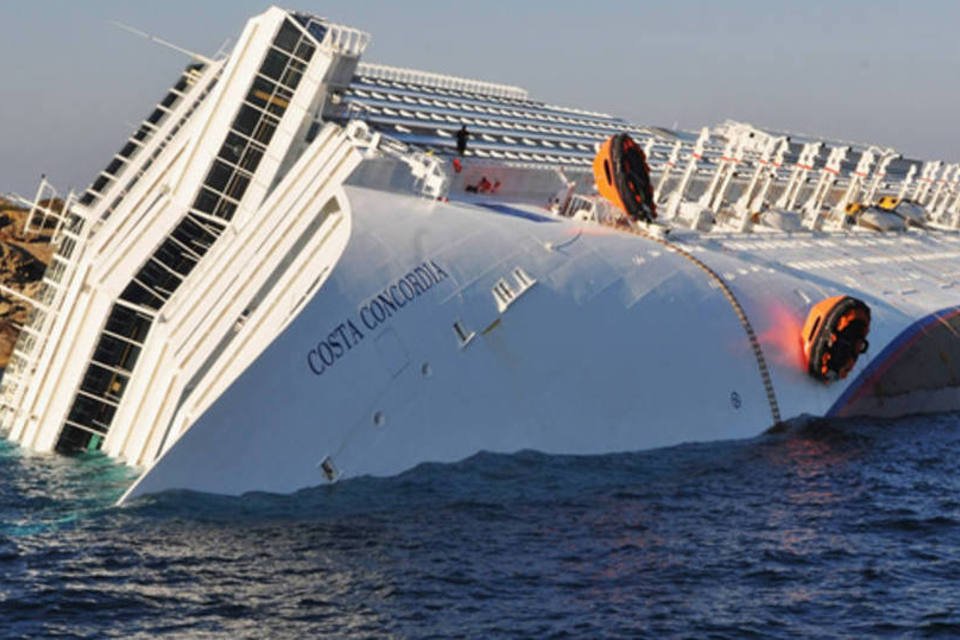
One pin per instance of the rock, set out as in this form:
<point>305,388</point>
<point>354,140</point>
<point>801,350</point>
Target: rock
<point>23,261</point>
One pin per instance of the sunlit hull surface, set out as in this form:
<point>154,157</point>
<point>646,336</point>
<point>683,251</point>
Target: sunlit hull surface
<point>616,343</point>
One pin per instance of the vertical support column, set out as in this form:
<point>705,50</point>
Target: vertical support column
<point>857,178</point>
<point>798,177</point>
<point>733,162</point>
<point>770,174</point>
<point>927,176</point>
<point>743,207</point>
<point>813,208</point>
<point>676,198</point>
<point>706,199</point>
<point>941,192</point>
<point>907,182</point>
<point>879,174</point>
<point>952,199</point>
<point>667,170</point>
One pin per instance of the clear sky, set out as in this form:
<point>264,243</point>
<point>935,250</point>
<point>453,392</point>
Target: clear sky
<point>875,71</point>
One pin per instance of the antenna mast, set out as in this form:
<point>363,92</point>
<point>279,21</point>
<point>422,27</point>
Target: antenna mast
<point>161,41</point>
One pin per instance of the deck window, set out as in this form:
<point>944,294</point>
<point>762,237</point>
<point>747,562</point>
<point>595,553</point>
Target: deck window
<point>114,167</point>
<point>138,294</point>
<point>232,148</point>
<point>246,120</point>
<point>237,186</point>
<point>274,64</point>
<point>116,353</point>
<point>287,37</point>
<point>305,50</point>
<point>92,413</point>
<point>128,323</point>
<point>225,209</point>
<point>156,116</point>
<point>251,158</point>
<point>218,176</point>
<point>264,130</point>
<point>101,184</point>
<point>206,201</point>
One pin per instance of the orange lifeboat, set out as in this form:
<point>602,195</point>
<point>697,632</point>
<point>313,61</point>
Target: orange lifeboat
<point>834,336</point>
<point>623,177</point>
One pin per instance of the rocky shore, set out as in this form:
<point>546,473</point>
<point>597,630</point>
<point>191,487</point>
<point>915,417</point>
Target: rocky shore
<point>23,259</point>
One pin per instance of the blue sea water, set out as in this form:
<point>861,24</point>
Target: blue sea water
<point>828,529</point>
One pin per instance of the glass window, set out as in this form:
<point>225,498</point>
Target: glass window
<point>175,257</point>
<point>206,201</point>
<point>232,149</point>
<point>219,175</point>
<point>193,235</point>
<point>260,92</point>
<point>97,380</point>
<point>305,50</point>
<point>141,133</point>
<point>191,232</point>
<point>137,294</point>
<point>156,116</point>
<point>274,64</point>
<point>128,323</point>
<point>114,352</point>
<point>153,275</point>
<point>246,120</point>
<point>128,150</point>
<point>251,159</point>
<point>264,131</point>
<point>73,439</point>
<point>317,30</point>
<point>312,131</point>
<point>169,99</point>
<point>287,36</point>
<point>291,77</point>
<point>212,227</point>
<point>115,166</point>
<point>237,187</point>
<point>91,413</point>
<point>66,247</point>
<point>226,209</point>
<point>101,184</point>
<point>278,106</point>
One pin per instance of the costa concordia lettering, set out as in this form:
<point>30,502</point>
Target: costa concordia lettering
<point>372,314</point>
<point>291,275</point>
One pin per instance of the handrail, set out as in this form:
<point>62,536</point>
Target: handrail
<point>346,40</point>
<point>442,81</point>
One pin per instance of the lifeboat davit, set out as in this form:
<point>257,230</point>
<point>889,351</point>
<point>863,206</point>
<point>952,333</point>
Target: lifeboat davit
<point>623,177</point>
<point>834,336</point>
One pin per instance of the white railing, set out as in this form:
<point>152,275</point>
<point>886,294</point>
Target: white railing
<point>346,40</point>
<point>441,81</point>
<point>430,178</point>
<point>71,228</point>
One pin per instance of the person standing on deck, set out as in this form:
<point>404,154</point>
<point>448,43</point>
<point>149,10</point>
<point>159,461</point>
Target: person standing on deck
<point>462,137</point>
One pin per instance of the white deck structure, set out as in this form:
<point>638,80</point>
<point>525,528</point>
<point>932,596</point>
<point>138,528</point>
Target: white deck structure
<point>282,279</point>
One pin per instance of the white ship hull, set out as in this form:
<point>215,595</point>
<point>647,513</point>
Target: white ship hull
<point>614,343</point>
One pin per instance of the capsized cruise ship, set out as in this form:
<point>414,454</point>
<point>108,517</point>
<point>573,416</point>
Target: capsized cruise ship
<point>302,267</point>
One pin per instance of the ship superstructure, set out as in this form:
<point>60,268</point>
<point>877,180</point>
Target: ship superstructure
<point>199,166</point>
<point>288,275</point>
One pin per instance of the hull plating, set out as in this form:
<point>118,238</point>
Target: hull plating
<point>602,342</point>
